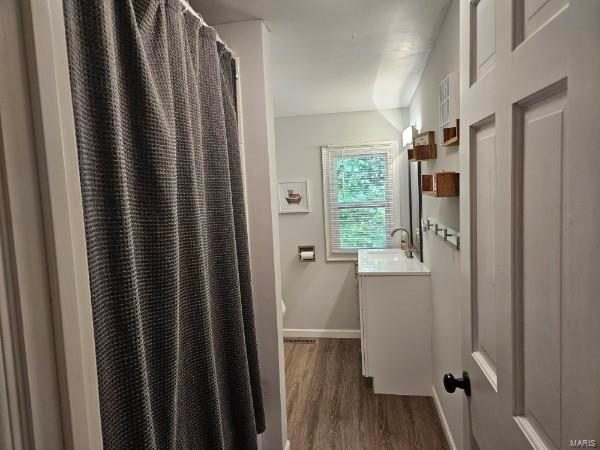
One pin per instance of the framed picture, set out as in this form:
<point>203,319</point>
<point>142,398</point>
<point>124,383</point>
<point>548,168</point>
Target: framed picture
<point>293,196</point>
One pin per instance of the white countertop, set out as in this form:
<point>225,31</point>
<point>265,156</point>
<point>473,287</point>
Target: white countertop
<point>389,262</point>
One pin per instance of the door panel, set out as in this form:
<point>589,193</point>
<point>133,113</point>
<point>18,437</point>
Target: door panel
<point>483,37</point>
<point>539,297</point>
<point>484,250</point>
<point>531,15</point>
<point>486,36</point>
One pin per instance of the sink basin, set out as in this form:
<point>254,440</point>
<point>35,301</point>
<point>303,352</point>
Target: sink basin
<point>389,262</point>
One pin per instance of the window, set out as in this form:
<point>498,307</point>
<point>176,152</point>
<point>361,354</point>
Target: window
<point>360,197</point>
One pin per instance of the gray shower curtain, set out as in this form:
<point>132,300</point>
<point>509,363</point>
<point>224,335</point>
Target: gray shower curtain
<point>156,123</point>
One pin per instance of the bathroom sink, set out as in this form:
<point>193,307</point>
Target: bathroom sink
<point>389,262</point>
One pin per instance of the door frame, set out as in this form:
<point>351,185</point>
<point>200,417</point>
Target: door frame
<point>40,390</point>
<point>61,200</point>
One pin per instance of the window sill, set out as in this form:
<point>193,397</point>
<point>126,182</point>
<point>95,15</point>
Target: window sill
<point>342,258</point>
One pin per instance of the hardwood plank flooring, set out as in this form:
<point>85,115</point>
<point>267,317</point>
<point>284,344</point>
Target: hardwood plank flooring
<point>330,405</point>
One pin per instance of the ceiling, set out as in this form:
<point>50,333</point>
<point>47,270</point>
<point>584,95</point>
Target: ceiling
<point>340,55</point>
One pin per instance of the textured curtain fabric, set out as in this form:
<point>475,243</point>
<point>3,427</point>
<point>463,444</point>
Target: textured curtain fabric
<point>154,103</point>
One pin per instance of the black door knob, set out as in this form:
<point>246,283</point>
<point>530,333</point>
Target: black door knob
<point>451,383</point>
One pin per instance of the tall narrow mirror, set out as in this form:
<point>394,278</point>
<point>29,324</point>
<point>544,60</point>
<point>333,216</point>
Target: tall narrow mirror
<point>416,231</point>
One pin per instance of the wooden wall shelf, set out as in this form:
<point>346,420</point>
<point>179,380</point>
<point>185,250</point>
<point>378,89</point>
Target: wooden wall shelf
<point>422,152</point>
<point>451,135</point>
<point>441,184</point>
<point>424,138</point>
<point>423,147</point>
<point>427,184</point>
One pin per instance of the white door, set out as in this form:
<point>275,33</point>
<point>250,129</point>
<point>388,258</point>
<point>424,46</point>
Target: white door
<point>530,214</point>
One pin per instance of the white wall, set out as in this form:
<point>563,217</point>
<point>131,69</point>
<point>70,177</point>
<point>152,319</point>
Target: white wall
<point>323,295</point>
<point>443,260</point>
<point>250,42</point>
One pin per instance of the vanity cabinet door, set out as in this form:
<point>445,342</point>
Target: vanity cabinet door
<point>396,333</point>
<point>363,334</point>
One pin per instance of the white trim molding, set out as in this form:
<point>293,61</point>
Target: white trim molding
<point>442,416</point>
<point>64,227</point>
<point>30,406</point>
<point>317,333</point>
<point>287,445</point>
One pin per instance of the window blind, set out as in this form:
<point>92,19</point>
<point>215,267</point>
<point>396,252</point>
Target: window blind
<point>360,197</point>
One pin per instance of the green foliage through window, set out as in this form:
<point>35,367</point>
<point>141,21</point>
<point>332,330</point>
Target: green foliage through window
<point>362,228</point>
<point>361,178</point>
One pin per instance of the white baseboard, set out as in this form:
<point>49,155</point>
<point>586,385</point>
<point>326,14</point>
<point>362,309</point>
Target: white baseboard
<point>313,333</point>
<point>287,445</point>
<point>442,416</point>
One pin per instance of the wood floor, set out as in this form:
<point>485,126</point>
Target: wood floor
<point>330,405</point>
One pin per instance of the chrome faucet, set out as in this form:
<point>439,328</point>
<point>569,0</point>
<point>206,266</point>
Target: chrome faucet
<point>408,252</point>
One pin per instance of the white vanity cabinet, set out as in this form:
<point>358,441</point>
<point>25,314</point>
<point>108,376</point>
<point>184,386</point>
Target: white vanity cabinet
<point>395,322</point>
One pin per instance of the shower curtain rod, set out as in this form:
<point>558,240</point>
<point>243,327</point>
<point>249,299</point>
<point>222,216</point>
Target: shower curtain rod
<point>188,8</point>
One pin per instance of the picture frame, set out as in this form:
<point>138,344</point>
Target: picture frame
<point>294,196</point>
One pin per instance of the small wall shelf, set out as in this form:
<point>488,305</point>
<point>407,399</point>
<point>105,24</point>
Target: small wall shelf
<point>441,184</point>
<point>422,152</point>
<point>449,109</point>
<point>451,135</point>
<point>424,147</point>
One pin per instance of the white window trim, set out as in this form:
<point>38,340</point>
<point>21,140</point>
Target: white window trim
<point>352,256</point>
